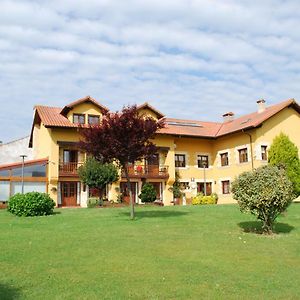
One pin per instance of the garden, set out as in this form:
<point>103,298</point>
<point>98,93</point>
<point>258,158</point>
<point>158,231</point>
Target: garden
<point>193,252</point>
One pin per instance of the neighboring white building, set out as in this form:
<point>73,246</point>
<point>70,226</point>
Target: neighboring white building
<point>10,152</point>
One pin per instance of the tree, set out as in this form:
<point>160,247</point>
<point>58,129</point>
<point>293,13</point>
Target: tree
<point>122,137</point>
<point>265,192</point>
<point>96,174</point>
<point>284,151</point>
<point>148,193</point>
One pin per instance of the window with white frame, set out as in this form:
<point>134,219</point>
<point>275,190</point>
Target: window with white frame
<point>243,155</point>
<point>264,154</point>
<point>180,161</point>
<point>225,187</point>
<point>202,161</point>
<point>224,159</point>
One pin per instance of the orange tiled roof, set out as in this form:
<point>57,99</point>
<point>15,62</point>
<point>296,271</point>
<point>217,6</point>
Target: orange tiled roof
<point>69,106</point>
<point>26,163</point>
<point>214,130</point>
<point>150,107</point>
<point>53,117</point>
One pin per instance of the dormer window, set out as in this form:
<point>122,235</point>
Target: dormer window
<point>93,120</point>
<point>78,119</point>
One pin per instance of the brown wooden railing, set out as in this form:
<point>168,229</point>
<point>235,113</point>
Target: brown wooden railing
<point>147,171</point>
<point>69,169</point>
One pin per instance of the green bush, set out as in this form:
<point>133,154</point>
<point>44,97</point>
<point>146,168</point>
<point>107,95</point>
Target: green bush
<point>284,152</point>
<point>148,193</point>
<point>201,199</point>
<point>265,192</point>
<point>93,202</point>
<point>31,204</point>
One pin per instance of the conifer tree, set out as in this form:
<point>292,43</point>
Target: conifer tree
<point>284,152</point>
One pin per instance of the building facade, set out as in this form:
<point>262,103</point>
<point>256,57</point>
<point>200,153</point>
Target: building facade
<point>207,156</point>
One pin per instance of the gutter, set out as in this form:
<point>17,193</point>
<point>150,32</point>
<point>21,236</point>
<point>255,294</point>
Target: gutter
<point>251,148</point>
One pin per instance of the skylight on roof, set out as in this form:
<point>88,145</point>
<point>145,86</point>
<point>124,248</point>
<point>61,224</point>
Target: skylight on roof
<point>185,124</point>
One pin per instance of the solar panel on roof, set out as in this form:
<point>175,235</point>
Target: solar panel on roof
<point>185,124</point>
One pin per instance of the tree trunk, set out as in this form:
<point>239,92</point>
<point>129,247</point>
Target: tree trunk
<point>130,193</point>
<point>267,226</point>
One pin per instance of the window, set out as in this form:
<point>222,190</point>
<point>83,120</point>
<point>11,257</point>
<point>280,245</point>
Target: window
<point>184,185</point>
<point>4,190</point>
<point>264,155</point>
<point>93,120</point>
<point>179,160</point>
<point>224,159</point>
<point>28,187</point>
<point>243,155</point>
<point>30,171</point>
<point>200,188</point>
<point>202,161</point>
<point>78,119</point>
<point>226,187</point>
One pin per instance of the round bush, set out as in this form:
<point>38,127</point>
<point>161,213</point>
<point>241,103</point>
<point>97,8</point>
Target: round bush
<point>148,193</point>
<point>31,204</point>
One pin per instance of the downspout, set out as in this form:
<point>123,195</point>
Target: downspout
<point>250,139</point>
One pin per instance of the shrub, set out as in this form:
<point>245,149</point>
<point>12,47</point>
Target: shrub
<point>31,204</point>
<point>201,199</point>
<point>148,193</point>
<point>265,192</point>
<point>93,202</point>
<point>284,152</point>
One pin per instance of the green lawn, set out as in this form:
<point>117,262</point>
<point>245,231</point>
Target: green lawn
<point>166,253</point>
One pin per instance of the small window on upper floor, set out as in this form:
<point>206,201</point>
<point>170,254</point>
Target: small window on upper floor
<point>264,154</point>
<point>224,159</point>
<point>179,160</point>
<point>93,120</point>
<point>78,119</point>
<point>203,161</point>
<point>243,155</point>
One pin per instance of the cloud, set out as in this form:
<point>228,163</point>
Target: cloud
<point>190,59</point>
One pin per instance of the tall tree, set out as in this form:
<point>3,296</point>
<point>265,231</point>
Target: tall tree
<point>96,174</point>
<point>284,152</point>
<point>122,137</point>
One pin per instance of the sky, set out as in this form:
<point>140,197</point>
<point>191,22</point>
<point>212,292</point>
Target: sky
<point>189,59</point>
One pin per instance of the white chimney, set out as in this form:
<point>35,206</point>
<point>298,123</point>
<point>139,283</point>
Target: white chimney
<point>228,117</point>
<point>261,105</point>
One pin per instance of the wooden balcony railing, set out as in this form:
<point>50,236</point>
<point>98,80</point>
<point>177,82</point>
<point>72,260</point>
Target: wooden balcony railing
<point>147,171</point>
<point>69,169</point>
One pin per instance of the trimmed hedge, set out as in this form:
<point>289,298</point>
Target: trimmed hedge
<point>31,204</point>
<point>201,199</point>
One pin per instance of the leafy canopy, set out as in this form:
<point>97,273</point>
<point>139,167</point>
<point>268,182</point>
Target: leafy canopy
<point>96,174</point>
<point>284,151</point>
<point>124,137</point>
<point>265,192</point>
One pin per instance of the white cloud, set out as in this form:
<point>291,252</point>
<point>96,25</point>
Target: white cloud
<point>191,59</point>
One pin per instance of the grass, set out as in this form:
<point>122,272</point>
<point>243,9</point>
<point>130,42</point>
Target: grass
<point>166,253</point>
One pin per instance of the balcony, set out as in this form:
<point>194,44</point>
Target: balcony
<point>69,169</point>
<point>147,171</point>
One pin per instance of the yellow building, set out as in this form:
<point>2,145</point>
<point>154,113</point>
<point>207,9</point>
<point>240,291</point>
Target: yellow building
<point>201,152</point>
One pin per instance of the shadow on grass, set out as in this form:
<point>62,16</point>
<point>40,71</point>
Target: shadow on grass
<point>256,227</point>
<point>8,292</point>
<point>155,214</point>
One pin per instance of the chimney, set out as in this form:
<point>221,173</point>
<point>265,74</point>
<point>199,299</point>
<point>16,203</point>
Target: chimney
<point>261,105</point>
<point>228,117</point>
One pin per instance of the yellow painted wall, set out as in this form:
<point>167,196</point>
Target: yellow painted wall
<point>287,121</point>
<point>86,109</point>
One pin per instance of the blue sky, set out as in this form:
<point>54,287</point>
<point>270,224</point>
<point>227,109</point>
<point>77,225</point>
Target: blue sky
<point>190,59</point>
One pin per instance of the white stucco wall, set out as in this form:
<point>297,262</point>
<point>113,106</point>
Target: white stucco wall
<point>10,152</point>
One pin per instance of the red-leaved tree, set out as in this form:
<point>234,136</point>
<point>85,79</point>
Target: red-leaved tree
<point>122,137</point>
